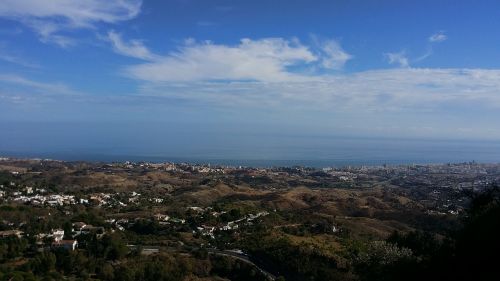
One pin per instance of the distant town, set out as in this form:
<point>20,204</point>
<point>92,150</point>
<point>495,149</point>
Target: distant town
<point>215,213</point>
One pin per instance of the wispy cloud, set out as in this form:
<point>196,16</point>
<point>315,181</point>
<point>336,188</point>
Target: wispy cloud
<point>34,87</point>
<point>261,60</point>
<point>333,56</point>
<point>398,58</point>
<point>438,37</point>
<point>433,39</point>
<point>401,59</point>
<point>17,60</point>
<point>10,57</point>
<point>132,48</point>
<point>402,89</point>
<point>267,59</point>
<point>49,18</point>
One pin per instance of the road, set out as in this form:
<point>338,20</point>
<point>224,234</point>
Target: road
<point>243,258</point>
<point>148,250</point>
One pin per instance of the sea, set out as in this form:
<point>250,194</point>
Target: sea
<point>287,151</point>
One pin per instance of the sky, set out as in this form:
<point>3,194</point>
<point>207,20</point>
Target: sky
<point>202,74</point>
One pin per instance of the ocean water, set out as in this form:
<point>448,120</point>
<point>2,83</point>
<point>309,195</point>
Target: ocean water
<point>260,151</point>
<point>216,145</point>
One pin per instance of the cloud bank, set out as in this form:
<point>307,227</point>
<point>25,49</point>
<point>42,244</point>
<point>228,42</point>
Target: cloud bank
<point>396,90</point>
<point>278,72</point>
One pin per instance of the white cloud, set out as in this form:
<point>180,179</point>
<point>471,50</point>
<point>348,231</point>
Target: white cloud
<point>47,18</point>
<point>268,59</point>
<point>427,54</point>
<point>387,90</point>
<point>405,89</point>
<point>333,56</point>
<point>398,58</point>
<point>133,48</point>
<point>438,37</point>
<point>403,61</point>
<point>261,60</point>
<point>275,72</point>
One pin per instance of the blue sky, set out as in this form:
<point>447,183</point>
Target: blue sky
<point>194,69</point>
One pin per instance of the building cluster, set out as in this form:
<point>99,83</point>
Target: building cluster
<point>51,200</point>
<point>59,238</point>
<point>209,230</point>
<point>40,196</point>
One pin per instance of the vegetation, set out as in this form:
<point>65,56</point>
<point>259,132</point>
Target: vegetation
<point>145,224</point>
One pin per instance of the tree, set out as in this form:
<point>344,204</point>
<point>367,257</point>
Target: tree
<point>68,230</point>
<point>44,263</point>
<point>114,247</point>
<point>124,273</point>
<point>106,272</point>
<point>383,261</point>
